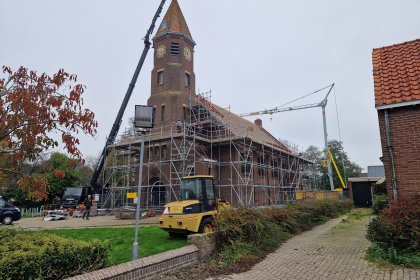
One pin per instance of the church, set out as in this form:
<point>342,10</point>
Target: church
<point>193,136</point>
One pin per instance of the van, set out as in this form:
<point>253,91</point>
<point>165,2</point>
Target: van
<point>8,212</point>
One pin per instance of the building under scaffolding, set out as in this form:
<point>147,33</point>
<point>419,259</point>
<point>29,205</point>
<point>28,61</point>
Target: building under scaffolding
<point>250,167</point>
<point>193,136</point>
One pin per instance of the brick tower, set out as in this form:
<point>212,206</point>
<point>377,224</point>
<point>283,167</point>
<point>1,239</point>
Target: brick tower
<point>173,78</point>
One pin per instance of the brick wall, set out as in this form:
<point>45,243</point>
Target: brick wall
<point>206,243</point>
<point>146,268</point>
<point>404,125</point>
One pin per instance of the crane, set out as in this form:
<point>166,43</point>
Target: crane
<point>117,123</point>
<point>323,105</point>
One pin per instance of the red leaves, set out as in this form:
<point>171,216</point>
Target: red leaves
<point>35,186</point>
<point>59,173</point>
<point>34,106</point>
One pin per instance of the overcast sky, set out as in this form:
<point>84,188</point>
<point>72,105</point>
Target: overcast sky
<point>252,55</point>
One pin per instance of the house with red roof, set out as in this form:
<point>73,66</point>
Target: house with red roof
<point>396,74</point>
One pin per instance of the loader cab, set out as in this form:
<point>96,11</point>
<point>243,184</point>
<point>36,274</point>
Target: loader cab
<point>199,188</point>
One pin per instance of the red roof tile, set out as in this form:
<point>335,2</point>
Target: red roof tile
<point>396,73</point>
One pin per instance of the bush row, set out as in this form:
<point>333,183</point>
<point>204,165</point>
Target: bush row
<point>35,255</point>
<point>247,233</point>
<point>397,226</point>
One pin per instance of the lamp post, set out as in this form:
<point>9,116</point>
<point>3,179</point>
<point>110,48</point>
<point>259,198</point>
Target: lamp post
<point>143,118</point>
<point>136,244</point>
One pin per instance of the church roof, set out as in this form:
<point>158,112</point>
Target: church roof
<point>241,127</point>
<point>174,22</point>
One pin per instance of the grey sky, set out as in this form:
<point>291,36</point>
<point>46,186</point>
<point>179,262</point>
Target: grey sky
<point>252,55</point>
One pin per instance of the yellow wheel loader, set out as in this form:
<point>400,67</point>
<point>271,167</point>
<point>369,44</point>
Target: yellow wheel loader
<point>197,209</point>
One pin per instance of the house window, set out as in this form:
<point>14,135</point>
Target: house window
<point>160,78</point>
<point>174,48</point>
<point>162,113</point>
<point>157,151</point>
<point>187,80</point>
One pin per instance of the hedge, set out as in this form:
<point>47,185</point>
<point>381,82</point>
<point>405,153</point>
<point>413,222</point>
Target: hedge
<point>246,232</point>
<point>35,255</point>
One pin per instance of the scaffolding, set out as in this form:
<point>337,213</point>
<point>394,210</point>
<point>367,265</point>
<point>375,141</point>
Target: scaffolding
<point>246,172</point>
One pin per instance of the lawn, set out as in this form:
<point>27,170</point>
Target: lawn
<point>152,240</point>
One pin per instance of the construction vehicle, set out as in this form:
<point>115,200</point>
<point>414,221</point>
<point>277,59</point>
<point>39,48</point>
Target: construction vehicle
<point>74,196</point>
<point>197,209</point>
<point>117,123</point>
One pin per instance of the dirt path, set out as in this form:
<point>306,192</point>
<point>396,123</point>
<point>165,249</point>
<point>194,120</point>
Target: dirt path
<point>334,250</point>
<point>97,221</point>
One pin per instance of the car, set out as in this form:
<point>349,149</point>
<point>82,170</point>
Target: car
<point>8,212</point>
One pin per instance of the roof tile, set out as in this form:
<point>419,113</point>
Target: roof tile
<point>396,73</point>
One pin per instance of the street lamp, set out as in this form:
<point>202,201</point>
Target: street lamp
<point>143,118</point>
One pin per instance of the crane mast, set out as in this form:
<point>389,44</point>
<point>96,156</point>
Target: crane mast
<point>117,123</point>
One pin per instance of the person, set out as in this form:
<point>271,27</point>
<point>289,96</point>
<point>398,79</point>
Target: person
<point>88,204</point>
<point>179,125</point>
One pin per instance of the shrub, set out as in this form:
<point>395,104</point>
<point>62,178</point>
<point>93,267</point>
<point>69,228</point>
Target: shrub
<point>35,255</point>
<point>377,252</point>
<point>247,233</point>
<point>244,232</point>
<point>378,203</point>
<point>397,226</point>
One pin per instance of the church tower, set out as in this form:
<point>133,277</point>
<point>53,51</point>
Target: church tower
<point>173,78</point>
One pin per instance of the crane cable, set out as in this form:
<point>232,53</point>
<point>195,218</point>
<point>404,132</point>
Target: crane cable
<point>302,97</point>
<point>339,136</point>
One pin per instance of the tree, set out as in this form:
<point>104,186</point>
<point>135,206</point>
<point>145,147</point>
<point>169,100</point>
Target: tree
<point>61,172</point>
<point>341,158</point>
<point>345,166</point>
<point>32,108</point>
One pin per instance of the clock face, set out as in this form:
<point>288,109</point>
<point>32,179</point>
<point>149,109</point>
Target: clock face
<point>160,51</point>
<point>187,54</point>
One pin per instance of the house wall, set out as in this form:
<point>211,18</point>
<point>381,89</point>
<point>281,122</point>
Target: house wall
<point>404,125</point>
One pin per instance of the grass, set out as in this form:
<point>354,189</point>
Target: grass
<point>387,257</point>
<point>152,240</point>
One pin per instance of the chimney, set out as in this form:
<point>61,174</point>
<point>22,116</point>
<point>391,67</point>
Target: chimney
<point>258,122</point>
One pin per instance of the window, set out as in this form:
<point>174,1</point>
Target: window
<point>184,112</point>
<point>163,152</point>
<point>164,24</point>
<point>160,78</point>
<point>187,80</point>
<point>261,166</point>
<point>157,151</point>
<point>162,113</point>
<point>174,48</point>
<point>274,169</point>
<point>245,164</point>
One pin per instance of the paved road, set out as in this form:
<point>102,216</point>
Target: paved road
<point>334,250</point>
<point>97,221</point>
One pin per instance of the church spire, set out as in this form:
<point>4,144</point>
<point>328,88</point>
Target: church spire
<point>174,22</point>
